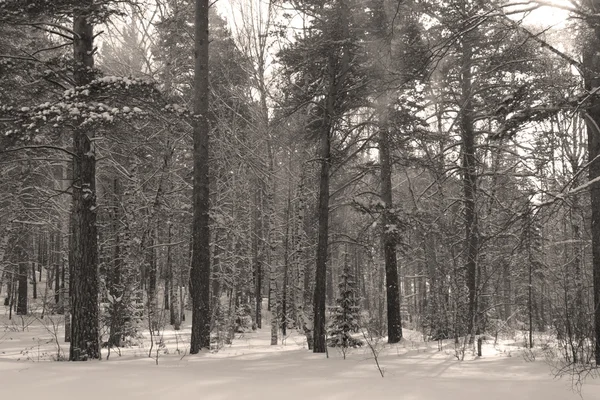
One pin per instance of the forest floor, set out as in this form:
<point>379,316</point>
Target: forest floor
<point>251,368</point>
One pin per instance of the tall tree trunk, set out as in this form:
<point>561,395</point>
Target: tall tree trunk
<point>338,66</point>
<point>151,271</point>
<point>319,343</point>
<point>171,287</point>
<point>200,271</point>
<point>272,240</point>
<point>257,255</point>
<point>591,62</point>
<point>389,245</point>
<point>84,269</point>
<point>469,171</point>
<point>286,260</point>
<point>394,325</point>
<point>301,285</point>
<point>320,290</point>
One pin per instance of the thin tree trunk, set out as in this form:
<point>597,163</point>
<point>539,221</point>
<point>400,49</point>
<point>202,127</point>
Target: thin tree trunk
<point>116,288</point>
<point>34,280</point>
<point>151,268</point>
<point>286,263</point>
<point>12,299</point>
<point>257,255</point>
<point>57,262</point>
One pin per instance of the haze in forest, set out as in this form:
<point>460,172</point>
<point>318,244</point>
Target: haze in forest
<point>196,195</point>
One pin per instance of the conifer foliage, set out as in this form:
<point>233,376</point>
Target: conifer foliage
<point>346,316</point>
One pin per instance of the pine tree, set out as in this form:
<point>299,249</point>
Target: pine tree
<point>347,313</point>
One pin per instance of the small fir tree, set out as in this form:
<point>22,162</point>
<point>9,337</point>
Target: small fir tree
<point>346,315</point>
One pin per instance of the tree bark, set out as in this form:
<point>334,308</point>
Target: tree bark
<point>591,62</point>
<point>174,308</point>
<point>9,291</point>
<point>338,66</point>
<point>319,343</point>
<point>200,271</point>
<point>389,245</point>
<point>469,171</point>
<point>22,283</point>
<point>34,280</point>
<point>84,268</point>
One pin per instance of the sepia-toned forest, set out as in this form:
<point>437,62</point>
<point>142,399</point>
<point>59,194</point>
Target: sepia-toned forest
<point>348,168</point>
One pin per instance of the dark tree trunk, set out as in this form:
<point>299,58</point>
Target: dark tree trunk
<point>151,271</point>
<point>57,283</point>
<point>257,256</point>
<point>319,344</point>
<point>9,289</point>
<point>44,255</point>
<point>286,263</point>
<point>34,280</point>
<point>12,300</point>
<point>22,288</point>
<point>83,276</point>
<point>84,272</point>
<point>200,271</point>
<point>591,62</point>
<point>389,245</point>
<point>174,308</point>
<point>394,325</point>
<point>338,66</point>
<point>469,177</point>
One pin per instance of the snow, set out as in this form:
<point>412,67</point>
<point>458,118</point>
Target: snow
<point>251,368</point>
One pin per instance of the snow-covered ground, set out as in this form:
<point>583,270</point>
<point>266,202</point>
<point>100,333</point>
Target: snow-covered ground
<point>253,369</point>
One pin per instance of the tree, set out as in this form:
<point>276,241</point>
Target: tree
<point>397,67</point>
<point>320,64</point>
<point>200,272</point>
<point>345,320</point>
<point>84,290</point>
<point>591,75</point>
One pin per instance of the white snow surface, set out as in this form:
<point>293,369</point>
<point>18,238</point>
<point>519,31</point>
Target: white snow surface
<point>251,368</point>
